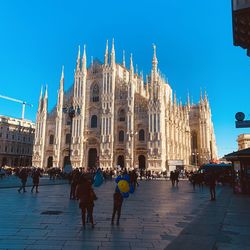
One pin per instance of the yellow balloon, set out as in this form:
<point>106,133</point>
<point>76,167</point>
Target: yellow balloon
<point>123,186</point>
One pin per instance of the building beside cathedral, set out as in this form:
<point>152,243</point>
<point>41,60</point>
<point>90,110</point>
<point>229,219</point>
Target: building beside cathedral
<point>16,142</point>
<point>122,120</point>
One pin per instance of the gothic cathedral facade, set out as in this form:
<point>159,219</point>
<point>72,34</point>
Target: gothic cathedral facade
<point>111,117</point>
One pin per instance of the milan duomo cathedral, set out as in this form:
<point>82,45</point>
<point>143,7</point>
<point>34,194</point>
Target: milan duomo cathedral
<point>111,117</point>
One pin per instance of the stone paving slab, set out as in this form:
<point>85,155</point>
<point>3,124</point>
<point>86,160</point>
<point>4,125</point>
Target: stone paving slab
<point>156,216</point>
<point>13,181</point>
<point>223,224</point>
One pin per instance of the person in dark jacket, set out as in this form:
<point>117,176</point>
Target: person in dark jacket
<point>212,185</point>
<point>118,200</point>
<point>75,178</point>
<point>23,175</point>
<point>36,177</point>
<point>86,196</point>
<point>172,178</point>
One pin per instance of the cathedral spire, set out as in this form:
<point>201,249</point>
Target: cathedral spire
<point>40,100</point>
<point>131,66</point>
<point>106,57</point>
<point>45,99</point>
<point>141,75</point>
<point>154,61</point>
<point>175,101</point>
<point>201,98</point>
<point>78,59</point>
<point>180,102</point>
<point>41,94</point>
<point>112,61</point>
<point>123,59</point>
<point>136,69</point>
<point>46,92</point>
<point>188,100</point>
<point>84,59</point>
<point>62,79</point>
<point>205,97</point>
<point>206,100</point>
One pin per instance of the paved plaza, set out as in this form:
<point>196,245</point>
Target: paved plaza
<point>14,181</point>
<point>156,216</point>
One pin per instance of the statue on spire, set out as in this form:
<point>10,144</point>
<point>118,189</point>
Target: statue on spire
<point>154,62</point>
<point>78,59</point>
<point>106,57</point>
<point>46,92</point>
<point>201,98</point>
<point>62,79</point>
<point>123,59</point>
<point>131,66</point>
<point>188,100</point>
<point>62,75</point>
<point>112,61</point>
<point>84,59</point>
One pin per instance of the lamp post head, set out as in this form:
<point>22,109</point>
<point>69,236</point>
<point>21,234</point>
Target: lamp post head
<point>72,112</point>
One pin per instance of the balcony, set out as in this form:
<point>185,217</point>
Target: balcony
<point>241,24</point>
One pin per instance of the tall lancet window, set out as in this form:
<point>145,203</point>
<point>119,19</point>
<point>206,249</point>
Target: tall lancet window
<point>95,93</point>
<point>121,136</point>
<point>93,123</point>
<point>121,115</point>
<point>194,141</point>
<point>141,135</point>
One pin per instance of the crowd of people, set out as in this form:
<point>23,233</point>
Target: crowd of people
<point>81,189</point>
<point>82,180</point>
<point>24,173</point>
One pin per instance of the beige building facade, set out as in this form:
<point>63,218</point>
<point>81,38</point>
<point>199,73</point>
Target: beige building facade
<point>243,141</point>
<point>121,119</point>
<point>16,141</point>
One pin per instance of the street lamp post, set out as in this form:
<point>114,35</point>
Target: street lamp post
<point>195,154</point>
<point>132,136</point>
<point>72,112</point>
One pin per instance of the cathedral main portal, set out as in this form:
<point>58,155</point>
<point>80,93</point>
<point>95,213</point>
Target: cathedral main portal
<point>92,158</point>
<point>120,161</point>
<point>142,162</point>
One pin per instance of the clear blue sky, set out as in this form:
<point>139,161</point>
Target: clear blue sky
<point>194,48</point>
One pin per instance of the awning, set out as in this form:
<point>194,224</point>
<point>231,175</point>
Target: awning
<point>241,154</point>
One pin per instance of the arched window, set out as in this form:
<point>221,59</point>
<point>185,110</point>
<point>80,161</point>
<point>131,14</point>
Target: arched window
<point>50,162</point>
<point>95,93</point>
<point>51,139</point>
<point>121,136</point>
<point>141,135</point>
<point>121,115</point>
<point>93,123</point>
<point>67,139</point>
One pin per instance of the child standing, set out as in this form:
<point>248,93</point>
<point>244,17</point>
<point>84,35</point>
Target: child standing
<point>118,199</point>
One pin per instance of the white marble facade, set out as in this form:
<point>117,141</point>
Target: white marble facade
<point>122,120</point>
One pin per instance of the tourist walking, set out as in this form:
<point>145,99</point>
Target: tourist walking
<point>86,196</point>
<point>176,177</point>
<point>212,185</point>
<point>118,200</point>
<point>23,175</point>
<point>74,180</point>
<point>172,178</point>
<point>35,178</point>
